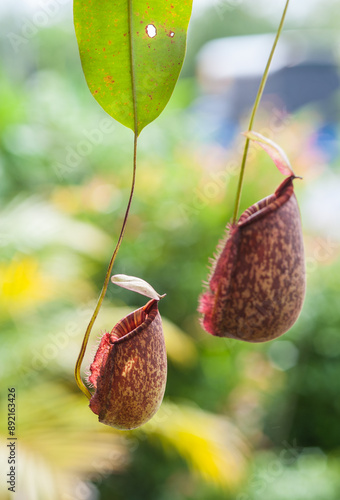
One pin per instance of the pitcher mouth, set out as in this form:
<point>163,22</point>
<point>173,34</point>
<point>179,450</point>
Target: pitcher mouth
<point>269,204</point>
<point>134,322</point>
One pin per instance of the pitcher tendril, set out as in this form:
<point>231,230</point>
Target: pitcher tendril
<point>77,375</point>
<point>254,110</point>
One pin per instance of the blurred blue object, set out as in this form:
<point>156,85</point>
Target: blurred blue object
<point>304,72</point>
<point>327,140</point>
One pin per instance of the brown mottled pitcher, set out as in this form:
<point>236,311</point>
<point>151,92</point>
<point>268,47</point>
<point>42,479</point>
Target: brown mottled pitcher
<point>257,286</point>
<point>129,370</point>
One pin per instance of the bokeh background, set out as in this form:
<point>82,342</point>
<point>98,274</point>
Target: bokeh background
<point>241,422</point>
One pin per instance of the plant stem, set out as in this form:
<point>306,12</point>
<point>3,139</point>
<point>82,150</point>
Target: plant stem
<point>252,117</point>
<point>77,375</point>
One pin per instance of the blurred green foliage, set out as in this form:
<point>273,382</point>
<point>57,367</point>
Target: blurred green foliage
<point>239,421</point>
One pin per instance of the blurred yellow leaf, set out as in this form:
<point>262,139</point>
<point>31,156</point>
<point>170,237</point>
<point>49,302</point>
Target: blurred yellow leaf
<point>23,285</point>
<point>211,444</point>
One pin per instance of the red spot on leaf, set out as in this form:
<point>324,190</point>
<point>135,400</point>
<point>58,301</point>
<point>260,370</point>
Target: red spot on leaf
<point>108,79</point>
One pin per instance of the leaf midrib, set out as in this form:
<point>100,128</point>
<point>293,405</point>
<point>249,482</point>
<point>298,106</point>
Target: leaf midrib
<point>132,68</point>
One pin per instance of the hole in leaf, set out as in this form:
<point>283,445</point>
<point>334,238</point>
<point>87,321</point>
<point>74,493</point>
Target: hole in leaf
<point>151,30</point>
<point>171,34</point>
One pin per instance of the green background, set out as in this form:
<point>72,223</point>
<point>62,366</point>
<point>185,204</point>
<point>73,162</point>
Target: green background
<point>238,421</point>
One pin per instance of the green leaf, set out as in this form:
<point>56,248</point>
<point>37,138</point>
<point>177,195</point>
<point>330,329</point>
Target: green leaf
<point>132,52</point>
<point>276,153</point>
